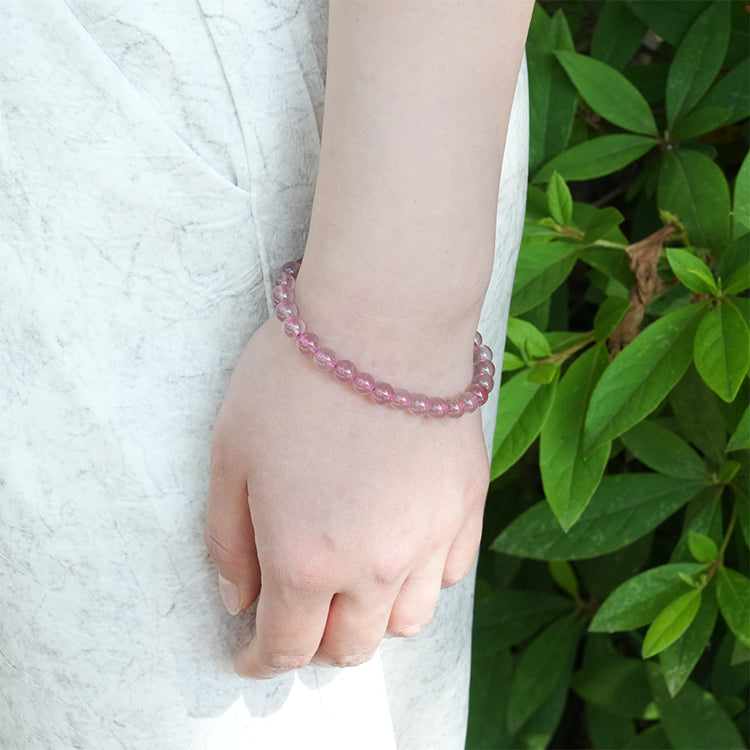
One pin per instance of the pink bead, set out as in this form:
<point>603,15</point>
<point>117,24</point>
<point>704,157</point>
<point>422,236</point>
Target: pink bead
<point>482,352</point>
<point>293,326</point>
<point>282,294</point>
<point>291,268</point>
<point>477,339</point>
<point>485,367</point>
<point>439,408</point>
<point>284,279</point>
<point>485,381</point>
<point>471,401</point>
<point>481,393</point>
<point>345,371</point>
<point>286,310</point>
<point>456,407</point>
<point>363,383</point>
<point>307,343</point>
<point>324,359</point>
<point>382,393</point>
<point>420,404</point>
<point>402,399</point>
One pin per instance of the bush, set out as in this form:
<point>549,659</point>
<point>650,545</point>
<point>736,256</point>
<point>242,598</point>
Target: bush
<point>613,609</point>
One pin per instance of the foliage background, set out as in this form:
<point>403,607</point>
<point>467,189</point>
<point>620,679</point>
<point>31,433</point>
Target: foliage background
<point>613,604</point>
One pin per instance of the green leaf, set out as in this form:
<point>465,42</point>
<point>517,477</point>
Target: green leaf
<point>693,188</point>
<point>602,222</point>
<point>604,730</point>
<point>540,667</point>
<point>699,122</point>
<point>727,679</point>
<point>528,339</point>
<point>678,660</point>
<point>522,408</point>
<point>512,362</point>
<point>670,20</point>
<point>641,376</point>
<point>601,575</point>
<point>671,623</point>
<point>741,205</point>
<point>615,685</point>
<point>544,373</point>
<point>728,470</point>
<point>511,616</point>
<point>564,576</point>
<point>740,654</point>
<point>597,157</point>
<point>609,315</point>
<point>623,509</point>
<point>640,599</point>
<point>697,413</point>
<point>617,35</point>
<point>740,440</point>
<point>664,451</point>
<point>612,263</point>
<point>739,281</point>
<point>559,200</point>
<point>569,478</point>
<point>692,271</point>
<point>722,350</point>
<point>733,593</point>
<point>541,268</point>
<point>539,728</point>
<point>653,738</point>
<point>609,93</point>
<point>731,92</point>
<point>697,62</point>
<point>693,719</point>
<point>702,547</point>
<point>552,97</point>
<point>488,699</point>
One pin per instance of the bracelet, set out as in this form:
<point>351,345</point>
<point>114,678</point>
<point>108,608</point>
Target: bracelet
<point>475,395</point>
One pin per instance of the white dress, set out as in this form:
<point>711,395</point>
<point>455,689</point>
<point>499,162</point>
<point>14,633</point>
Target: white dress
<point>157,164</point>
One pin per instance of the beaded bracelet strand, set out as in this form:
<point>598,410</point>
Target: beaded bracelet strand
<point>346,372</point>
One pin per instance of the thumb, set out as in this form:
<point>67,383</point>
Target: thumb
<point>230,537</point>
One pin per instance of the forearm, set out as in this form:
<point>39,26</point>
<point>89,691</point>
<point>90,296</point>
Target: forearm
<point>418,97</point>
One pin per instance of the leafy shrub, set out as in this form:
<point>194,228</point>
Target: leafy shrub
<point>612,578</point>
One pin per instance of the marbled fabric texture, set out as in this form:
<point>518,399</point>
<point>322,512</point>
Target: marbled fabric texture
<point>157,163</point>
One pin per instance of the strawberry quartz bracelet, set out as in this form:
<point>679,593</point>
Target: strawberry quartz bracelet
<point>346,372</point>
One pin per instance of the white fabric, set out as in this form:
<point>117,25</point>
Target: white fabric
<point>157,163</point>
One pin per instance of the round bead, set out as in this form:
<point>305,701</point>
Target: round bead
<point>363,383</point>
<point>456,407</point>
<point>284,279</point>
<point>324,359</point>
<point>471,401</point>
<point>285,310</point>
<point>282,294</point>
<point>477,339</point>
<point>480,392</point>
<point>402,399</point>
<point>345,371</point>
<point>485,381</point>
<point>382,393</point>
<point>293,326</point>
<point>291,268</point>
<point>420,404</point>
<point>439,408</point>
<point>485,367</point>
<point>307,343</point>
<point>482,352</point>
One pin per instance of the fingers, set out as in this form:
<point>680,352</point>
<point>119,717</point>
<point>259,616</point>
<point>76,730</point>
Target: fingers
<point>354,630</point>
<point>230,537</point>
<point>289,626</point>
<point>415,604</point>
<point>463,552</point>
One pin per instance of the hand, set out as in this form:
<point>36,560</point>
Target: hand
<point>342,518</point>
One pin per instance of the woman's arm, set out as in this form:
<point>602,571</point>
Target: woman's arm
<point>342,518</point>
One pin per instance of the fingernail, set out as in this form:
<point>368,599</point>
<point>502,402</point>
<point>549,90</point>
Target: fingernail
<point>230,595</point>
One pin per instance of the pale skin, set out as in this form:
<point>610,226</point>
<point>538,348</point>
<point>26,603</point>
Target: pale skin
<point>343,519</point>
